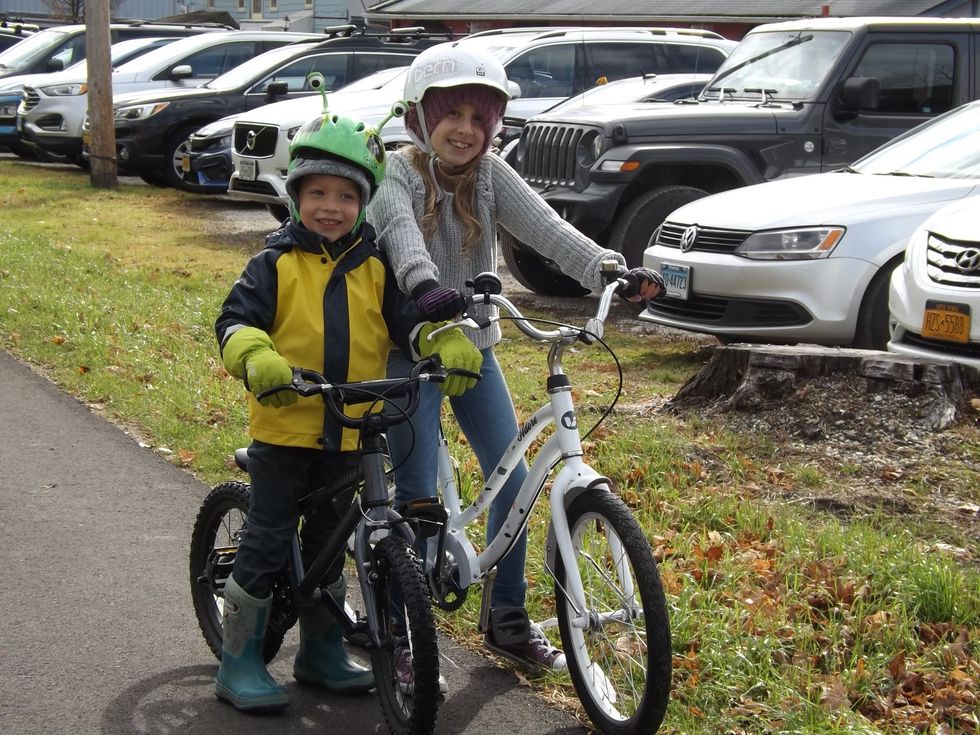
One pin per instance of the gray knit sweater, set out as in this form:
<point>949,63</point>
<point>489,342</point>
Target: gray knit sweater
<point>503,199</point>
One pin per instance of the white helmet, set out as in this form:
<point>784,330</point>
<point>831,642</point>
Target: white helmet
<point>453,65</point>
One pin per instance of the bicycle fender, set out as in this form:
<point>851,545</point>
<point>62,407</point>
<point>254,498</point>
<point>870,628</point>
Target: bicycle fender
<point>551,545</point>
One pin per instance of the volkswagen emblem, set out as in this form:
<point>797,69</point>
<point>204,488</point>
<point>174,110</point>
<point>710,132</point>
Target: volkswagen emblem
<point>688,238</point>
<point>968,260</point>
<point>250,139</point>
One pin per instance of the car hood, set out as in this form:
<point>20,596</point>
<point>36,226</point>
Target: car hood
<point>818,199</point>
<point>161,95</point>
<point>14,84</point>
<point>658,119</point>
<point>958,221</point>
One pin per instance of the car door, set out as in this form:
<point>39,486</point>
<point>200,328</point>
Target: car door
<point>919,77</point>
<point>208,63</point>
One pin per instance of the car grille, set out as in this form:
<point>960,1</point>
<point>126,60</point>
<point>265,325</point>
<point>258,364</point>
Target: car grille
<point>549,153</point>
<point>724,312</point>
<point>254,187</point>
<point>256,141</point>
<point>953,263</point>
<point>706,239</point>
<point>30,98</point>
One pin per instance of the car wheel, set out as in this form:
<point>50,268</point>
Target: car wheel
<point>176,147</point>
<point>533,272</point>
<point>873,329</point>
<point>279,211</point>
<point>152,177</point>
<point>636,225</point>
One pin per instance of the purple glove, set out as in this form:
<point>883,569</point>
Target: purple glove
<point>438,303</point>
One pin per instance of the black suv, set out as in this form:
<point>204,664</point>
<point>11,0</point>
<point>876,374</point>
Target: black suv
<point>794,98</point>
<point>152,128</point>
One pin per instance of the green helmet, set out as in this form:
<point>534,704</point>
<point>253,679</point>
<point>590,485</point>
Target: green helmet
<point>339,146</point>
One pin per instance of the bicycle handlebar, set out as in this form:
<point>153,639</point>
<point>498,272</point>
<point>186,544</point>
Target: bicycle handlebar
<point>308,382</point>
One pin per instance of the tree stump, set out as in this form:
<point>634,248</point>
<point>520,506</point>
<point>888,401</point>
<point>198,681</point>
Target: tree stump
<point>744,377</point>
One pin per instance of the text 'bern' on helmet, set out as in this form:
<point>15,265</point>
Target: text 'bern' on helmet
<point>453,65</point>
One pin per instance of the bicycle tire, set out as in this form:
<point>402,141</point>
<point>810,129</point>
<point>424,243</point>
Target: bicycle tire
<point>620,666</point>
<point>214,541</point>
<point>400,582</point>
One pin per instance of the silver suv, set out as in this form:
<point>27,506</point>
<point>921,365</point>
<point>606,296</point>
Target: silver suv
<point>547,65</point>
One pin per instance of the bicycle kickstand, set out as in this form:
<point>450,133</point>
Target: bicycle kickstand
<point>484,622</point>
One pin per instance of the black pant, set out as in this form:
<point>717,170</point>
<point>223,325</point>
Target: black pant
<point>281,478</point>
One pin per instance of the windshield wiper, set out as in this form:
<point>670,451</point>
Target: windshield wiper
<point>765,54</point>
<point>909,173</point>
<point>846,170</point>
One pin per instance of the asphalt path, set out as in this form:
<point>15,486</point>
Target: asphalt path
<point>97,632</point>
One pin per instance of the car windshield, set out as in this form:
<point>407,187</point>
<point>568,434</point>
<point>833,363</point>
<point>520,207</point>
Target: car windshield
<point>786,66</point>
<point>31,49</point>
<point>244,74</point>
<point>947,147</point>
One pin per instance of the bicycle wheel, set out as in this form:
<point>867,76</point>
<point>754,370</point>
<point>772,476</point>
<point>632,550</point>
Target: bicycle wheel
<point>621,663</point>
<point>217,532</point>
<point>402,594</point>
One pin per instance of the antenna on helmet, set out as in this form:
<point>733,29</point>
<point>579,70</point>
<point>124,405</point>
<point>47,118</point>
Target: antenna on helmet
<point>319,84</point>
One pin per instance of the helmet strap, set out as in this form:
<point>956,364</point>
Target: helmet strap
<point>420,111</point>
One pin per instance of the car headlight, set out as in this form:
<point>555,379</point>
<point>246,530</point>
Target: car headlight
<point>9,110</point>
<point>138,112</point>
<point>805,243</point>
<point>65,90</point>
<point>291,133</point>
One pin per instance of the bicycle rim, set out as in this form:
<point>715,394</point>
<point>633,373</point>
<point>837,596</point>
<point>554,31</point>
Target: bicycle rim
<point>407,622</point>
<point>620,663</point>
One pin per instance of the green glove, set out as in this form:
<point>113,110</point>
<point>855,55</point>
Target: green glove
<point>455,351</point>
<point>250,355</point>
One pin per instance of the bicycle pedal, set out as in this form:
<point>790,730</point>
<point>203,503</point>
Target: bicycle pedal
<point>429,513</point>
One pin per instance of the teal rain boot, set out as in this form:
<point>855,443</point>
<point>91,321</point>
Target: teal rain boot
<point>322,658</point>
<point>242,678</point>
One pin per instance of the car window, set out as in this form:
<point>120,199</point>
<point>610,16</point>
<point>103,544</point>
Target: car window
<point>370,62</point>
<point>547,72</point>
<point>612,61</point>
<point>333,67</point>
<point>214,61</point>
<point>913,77</point>
<point>691,59</point>
<point>71,52</point>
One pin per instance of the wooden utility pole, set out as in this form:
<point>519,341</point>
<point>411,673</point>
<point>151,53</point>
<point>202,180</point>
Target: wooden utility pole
<point>102,140</point>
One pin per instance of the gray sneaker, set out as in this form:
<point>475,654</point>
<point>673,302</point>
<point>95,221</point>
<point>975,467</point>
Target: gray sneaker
<point>536,652</point>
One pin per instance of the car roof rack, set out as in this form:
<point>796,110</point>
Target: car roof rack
<point>557,32</point>
<point>16,26</point>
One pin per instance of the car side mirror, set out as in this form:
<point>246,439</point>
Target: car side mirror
<point>275,89</point>
<point>54,65</point>
<point>182,71</point>
<point>514,88</point>
<point>860,93</point>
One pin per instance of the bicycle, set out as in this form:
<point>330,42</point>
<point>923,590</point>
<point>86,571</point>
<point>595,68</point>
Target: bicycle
<point>611,609</point>
<point>396,600</point>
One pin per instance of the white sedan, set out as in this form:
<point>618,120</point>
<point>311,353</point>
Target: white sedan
<point>935,295</point>
<point>809,259</point>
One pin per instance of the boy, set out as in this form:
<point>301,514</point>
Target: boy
<point>319,295</point>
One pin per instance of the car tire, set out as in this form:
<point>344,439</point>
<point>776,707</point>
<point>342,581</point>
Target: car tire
<point>176,145</point>
<point>873,331</point>
<point>533,272</point>
<point>279,211</point>
<point>635,226</point>
<point>152,177</point>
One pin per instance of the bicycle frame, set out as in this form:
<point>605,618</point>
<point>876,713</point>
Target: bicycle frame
<point>564,446</point>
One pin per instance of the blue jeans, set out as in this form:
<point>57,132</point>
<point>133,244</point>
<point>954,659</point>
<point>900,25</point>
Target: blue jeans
<point>486,415</point>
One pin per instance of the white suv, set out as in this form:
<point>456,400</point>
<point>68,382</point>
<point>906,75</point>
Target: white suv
<point>547,65</point>
<point>50,116</point>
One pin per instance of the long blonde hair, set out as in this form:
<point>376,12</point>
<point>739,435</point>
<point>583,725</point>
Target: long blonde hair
<point>462,183</point>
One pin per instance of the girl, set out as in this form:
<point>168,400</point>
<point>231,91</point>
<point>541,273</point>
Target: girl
<point>436,213</point>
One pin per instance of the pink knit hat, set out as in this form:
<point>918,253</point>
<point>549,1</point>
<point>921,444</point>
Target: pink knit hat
<point>438,101</point>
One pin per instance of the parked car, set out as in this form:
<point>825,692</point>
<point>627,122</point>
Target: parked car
<point>798,97</point>
<point>809,259</point>
<point>208,165</point>
<point>62,83</point>
<point>152,129</point>
<point>546,66</point>
<point>934,297</point>
<point>52,113</point>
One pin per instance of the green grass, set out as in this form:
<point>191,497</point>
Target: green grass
<point>784,620</point>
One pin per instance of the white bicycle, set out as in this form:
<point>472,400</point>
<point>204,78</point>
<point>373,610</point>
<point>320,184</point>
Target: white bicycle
<point>611,609</point>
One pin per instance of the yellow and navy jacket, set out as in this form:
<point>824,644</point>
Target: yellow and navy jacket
<point>330,307</point>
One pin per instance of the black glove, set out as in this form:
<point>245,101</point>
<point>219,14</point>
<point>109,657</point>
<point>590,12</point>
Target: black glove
<point>635,277</point>
<point>438,303</point>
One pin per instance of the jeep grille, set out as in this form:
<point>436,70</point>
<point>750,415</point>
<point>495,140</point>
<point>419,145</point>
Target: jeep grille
<point>708,239</point>
<point>263,140</point>
<point>549,153</point>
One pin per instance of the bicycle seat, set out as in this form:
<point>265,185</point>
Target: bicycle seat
<point>241,458</point>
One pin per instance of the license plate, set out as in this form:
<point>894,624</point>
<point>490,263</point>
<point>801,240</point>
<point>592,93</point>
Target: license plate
<point>86,139</point>
<point>246,169</point>
<point>185,164</point>
<point>677,279</point>
<point>946,321</point>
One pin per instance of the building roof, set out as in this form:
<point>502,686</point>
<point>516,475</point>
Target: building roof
<point>588,11</point>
